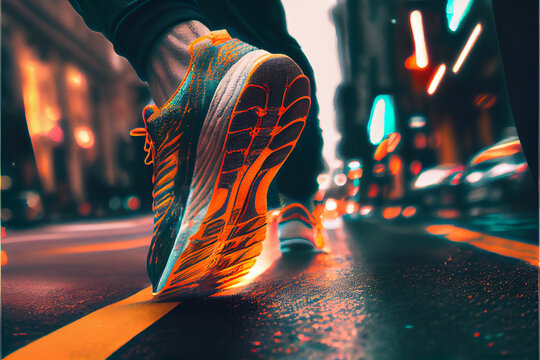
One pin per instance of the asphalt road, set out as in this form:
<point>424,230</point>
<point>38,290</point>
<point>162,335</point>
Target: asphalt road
<point>381,291</point>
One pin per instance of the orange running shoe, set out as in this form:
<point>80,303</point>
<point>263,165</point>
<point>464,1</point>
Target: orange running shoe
<point>216,145</point>
<point>299,230</point>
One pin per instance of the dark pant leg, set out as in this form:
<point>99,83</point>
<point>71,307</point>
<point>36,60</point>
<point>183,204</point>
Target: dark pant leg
<point>134,26</point>
<point>262,23</point>
<point>517,32</point>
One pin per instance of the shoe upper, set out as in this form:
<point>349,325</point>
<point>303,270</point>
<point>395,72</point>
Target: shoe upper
<point>172,133</point>
<point>295,221</point>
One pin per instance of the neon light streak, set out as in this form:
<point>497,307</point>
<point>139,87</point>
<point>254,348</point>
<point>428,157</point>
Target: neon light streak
<point>381,151</point>
<point>468,46</point>
<point>376,127</point>
<point>441,70</point>
<point>456,10</point>
<point>393,141</point>
<point>498,151</point>
<point>419,41</point>
<point>382,120</point>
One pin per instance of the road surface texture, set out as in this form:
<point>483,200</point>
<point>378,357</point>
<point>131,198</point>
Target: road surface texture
<point>380,291</point>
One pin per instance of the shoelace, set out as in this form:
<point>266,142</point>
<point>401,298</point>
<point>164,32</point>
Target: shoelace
<point>141,131</point>
<point>217,37</point>
<point>148,144</point>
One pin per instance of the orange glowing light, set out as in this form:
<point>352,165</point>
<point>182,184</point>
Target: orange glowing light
<point>436,80</point>
<point>391,212</point>
<point>420,141</point>
<point>409,211</point>
<point>319,196</point>
<point>502,150</point>
<point>468,46</point>
<point>395,165</point>
<point>4,258</point>
<point>420,49</point>
<point>76,80</point>
<point>351,207</point>
<point>373,190</point>
<point>84,137</point>
<point>379,169</point>
<point>448,213</point>
<point>355,174</point>
<point>52,113</point>
<point>110,246</point>
<point>381,151</point>
<point>410,63</point>
<point>268,256</point>
<point>393,141</point>
<point>485,101</point>
<point>440,229</point>
<point>415,167</point>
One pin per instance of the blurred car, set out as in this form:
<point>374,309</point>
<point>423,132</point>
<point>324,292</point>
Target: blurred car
<point>338,192</point>
<point>436,188</point>
<point>499,175</point>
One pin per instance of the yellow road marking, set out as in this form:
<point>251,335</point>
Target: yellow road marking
<point>495,244</point>
<point>99,334</point>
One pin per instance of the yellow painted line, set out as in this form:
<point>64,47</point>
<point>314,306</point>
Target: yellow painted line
<point>99,334</point>
<point>110,246</point>
<point>494,244</point>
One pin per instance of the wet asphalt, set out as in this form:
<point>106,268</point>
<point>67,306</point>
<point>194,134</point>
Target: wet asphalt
<point>380,292</point>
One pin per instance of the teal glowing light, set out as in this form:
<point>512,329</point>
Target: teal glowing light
<point>456,10</point>
<point>382,120</point>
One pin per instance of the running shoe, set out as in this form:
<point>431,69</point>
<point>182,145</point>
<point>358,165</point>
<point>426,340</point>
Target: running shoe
<point>299,230</point>
<point>215,146</point>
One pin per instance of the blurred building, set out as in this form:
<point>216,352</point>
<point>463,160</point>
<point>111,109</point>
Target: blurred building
<point>68,97</point>
<point>440,121</point>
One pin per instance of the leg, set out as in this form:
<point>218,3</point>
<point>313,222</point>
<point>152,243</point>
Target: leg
<point>169,59</point>
<point>517,30</point>
<point>263,24</point>
<point>229,116</point>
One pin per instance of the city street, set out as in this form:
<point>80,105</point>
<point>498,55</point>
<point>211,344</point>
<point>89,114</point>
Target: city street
<point>381,291</point>
<point>415,147</point>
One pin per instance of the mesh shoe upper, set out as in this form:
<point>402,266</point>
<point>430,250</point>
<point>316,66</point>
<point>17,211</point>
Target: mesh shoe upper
<point>297,222</point>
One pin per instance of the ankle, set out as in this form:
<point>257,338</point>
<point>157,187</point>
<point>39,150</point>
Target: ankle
<point>169,59</point>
